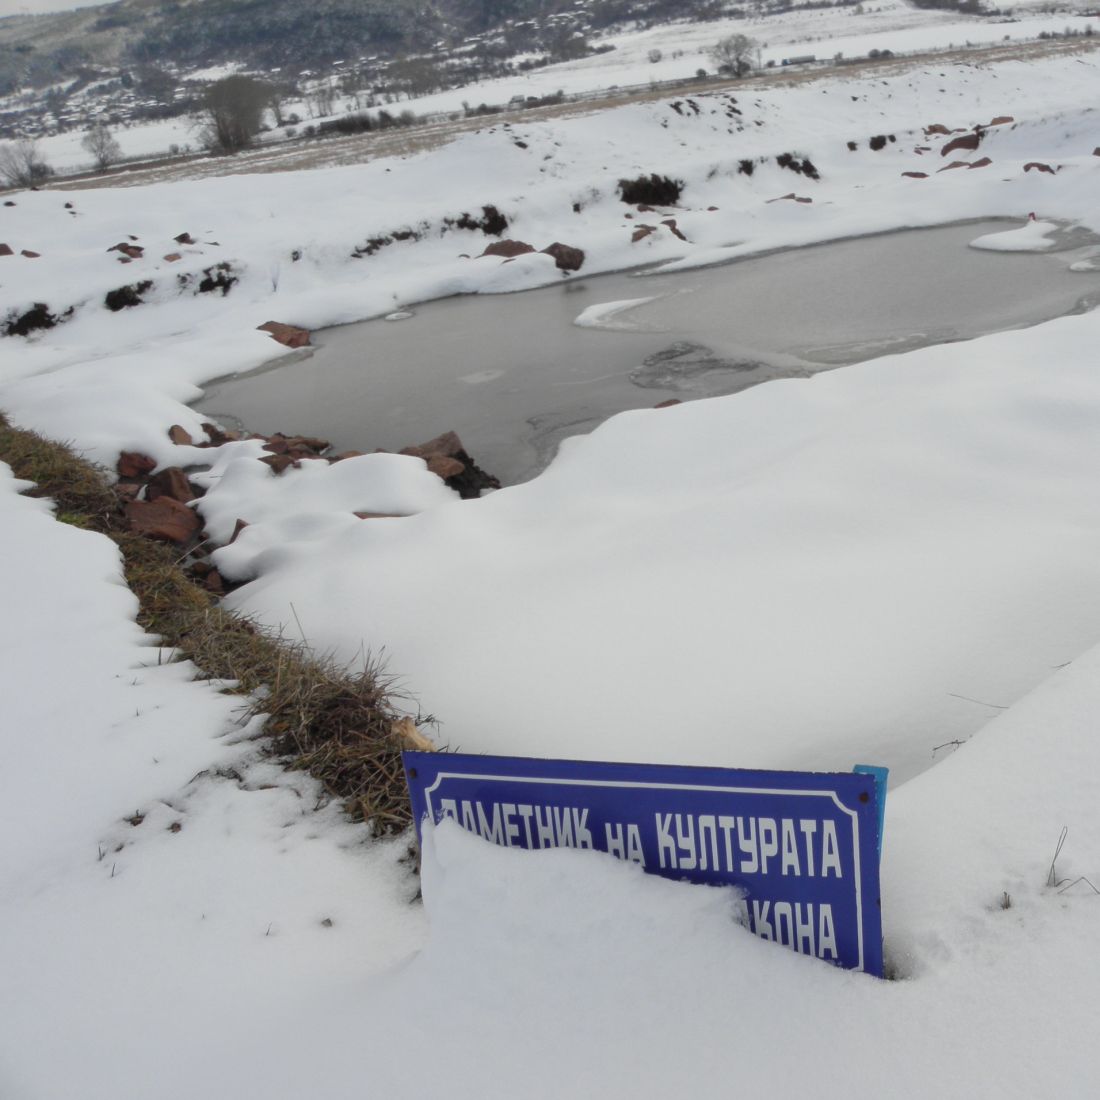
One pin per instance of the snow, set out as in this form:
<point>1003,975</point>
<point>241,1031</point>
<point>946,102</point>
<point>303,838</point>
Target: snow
<point>865,566</point>
<point>1033,237</point>
<point>602,315</point>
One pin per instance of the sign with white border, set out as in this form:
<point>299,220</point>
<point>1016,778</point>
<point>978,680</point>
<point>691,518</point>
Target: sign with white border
<point>803,847</point>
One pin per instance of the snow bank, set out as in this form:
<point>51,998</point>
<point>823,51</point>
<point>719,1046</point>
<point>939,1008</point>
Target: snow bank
<point>1032,237</point>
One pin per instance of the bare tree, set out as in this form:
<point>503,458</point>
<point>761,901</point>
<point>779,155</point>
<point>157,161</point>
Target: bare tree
<point>100,143</point>
<point>734,54</point>
<point>234,109</point>
<point>21,164</point>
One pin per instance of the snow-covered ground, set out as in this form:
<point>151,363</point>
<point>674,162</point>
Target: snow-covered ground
<point>806,574</point>
<point>683,49</point>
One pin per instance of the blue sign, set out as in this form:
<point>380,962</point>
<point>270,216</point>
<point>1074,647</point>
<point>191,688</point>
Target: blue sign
<point>802,846</point>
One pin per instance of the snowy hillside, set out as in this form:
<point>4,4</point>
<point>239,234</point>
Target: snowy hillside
<point>866,565</point>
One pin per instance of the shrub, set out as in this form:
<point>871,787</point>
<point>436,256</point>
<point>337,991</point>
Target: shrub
<point>652,190</point>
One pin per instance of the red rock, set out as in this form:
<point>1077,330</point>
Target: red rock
<point>459,470</point>
<point>128,490</point>
<point>447,445</point>
<point>279,462</point>
<point>134,251</point>
<point>288,335</point>
<point>133,464</point>
<point>184,238</point>
<point>641,233</point>
<point>508,248</point>
<point>916,175</point>
<point>164,519</point>
<point>172,257</point>
<point>170,482</point>
<point>984,162</point>
<point>968,142</point>
<point>445,467</point>
<point>565,256</point>
<point>671,223</point>
<point>307,443</point>
<point>6,250</point>
<point>1038,166</point>
<point>180,436</point>
<point>30,255</point>
<point>667,404</point>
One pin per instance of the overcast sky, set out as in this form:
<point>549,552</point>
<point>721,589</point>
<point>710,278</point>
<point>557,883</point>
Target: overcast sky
<point>35,7</point>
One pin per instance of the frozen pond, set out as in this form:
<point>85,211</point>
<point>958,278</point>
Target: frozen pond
<point>514,374</point>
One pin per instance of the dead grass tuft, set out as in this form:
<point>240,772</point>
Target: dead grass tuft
<point>339,725</point>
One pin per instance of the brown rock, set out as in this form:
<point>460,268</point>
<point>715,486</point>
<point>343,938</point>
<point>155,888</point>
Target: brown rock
<point>1038,166</point>
<point>172,257</point>
<point>936,128</point>
<point>346,454</point>
<point>279,462</point>
<point>214,434</point>
<point>791,195</point>
<point>508,248</point>
<point>184,238</point>
<point>170,482</point>
<point>1002,120</point>
<point>6,250</point>
<point>645,208</point>
<point>128,490</point>
<point>238,527</point>
<point>164,519</point>
<point>983,162</point>
<point>955,164</point>
<point>467,478</point>
<point>445,467</point>
<point>668,403</point>
<point>308,443</point>
<point>213,582</point>
<point>288,335</point>
<point>565,256</point>
<point>1096,151</point>
<point>711,209</point>
<point>967,142</point>
<point>277,445</point>
<point>671,223</point>
<point>134,251</point>
<point>180,436</point>
<point>641,233</point>
<point>29,254</point>
<point>377,515</point>
<point>916,175</point>
<point>133,464</point>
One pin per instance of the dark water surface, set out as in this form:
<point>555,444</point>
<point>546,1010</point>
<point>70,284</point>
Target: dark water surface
<point>513,374</point>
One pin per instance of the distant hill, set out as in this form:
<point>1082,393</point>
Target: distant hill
<point>289,35</point>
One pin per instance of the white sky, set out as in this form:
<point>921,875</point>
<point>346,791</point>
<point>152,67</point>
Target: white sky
<point>36,7</point>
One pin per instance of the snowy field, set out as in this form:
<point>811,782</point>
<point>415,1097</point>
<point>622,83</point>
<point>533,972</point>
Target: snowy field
<point>684,49</point>
<point>866,565</point>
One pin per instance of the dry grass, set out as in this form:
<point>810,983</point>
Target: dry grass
<point>334,723</point>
